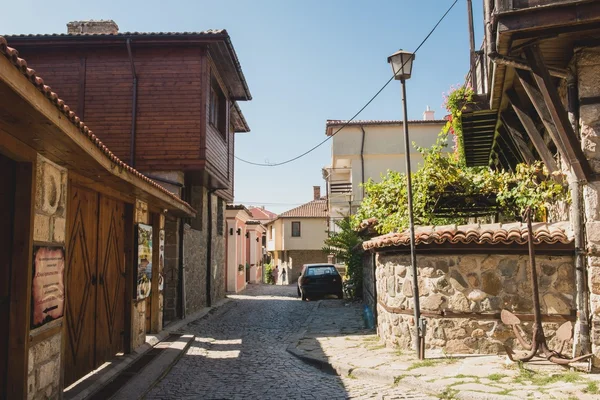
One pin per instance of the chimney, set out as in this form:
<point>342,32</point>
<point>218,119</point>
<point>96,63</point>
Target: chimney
<point>317,192</point>
<point>93,27</point>
<point>428,114</point>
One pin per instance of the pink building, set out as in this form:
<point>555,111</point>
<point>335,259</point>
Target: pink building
<point>244,248</point>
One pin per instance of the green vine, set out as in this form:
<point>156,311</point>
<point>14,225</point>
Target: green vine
<point>456,102</point>
<point>444,177</point>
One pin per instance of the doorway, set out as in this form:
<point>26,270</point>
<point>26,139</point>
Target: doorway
<point>95,280</point>
<point>7,208</point>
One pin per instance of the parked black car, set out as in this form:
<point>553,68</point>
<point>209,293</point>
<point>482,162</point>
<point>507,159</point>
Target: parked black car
<point>319,280</point>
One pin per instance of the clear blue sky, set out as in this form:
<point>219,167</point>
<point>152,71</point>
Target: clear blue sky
<point>305,61</point>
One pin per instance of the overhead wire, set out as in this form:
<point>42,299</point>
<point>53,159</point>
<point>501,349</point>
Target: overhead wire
<point>357,113</point>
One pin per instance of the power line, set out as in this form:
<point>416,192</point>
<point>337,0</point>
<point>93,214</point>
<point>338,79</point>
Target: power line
<point>359,111</point>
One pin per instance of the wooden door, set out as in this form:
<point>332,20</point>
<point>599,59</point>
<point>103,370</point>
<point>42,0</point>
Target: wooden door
<point>7,204</point>
<point>81,283</point>
<point>110,321</point>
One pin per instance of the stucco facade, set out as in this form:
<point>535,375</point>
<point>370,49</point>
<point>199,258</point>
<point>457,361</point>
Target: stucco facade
<point>366,150</point>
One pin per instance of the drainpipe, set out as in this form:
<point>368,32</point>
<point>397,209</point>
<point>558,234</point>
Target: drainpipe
<point>181,270</point>
<point>133,106</point>
<point>209,248</point>
<point>582,329</point>
<point>362,161</point>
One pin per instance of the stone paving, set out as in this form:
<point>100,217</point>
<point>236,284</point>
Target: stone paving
<point>240,353</point>
<point>334,338</point>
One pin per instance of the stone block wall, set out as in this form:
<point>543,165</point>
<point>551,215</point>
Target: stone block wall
<point>171,269</point>
<point>369,290</point>
<point>194,269</point>
<point>468,284</point>
<point>218,253</point>
<point>44,362</point>
<point>587,62</point>
<point>297,258</point>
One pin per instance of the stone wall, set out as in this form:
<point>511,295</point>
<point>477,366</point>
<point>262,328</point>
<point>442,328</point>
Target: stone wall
<point>587,61</point>
<point>44,363</point>
<point>369,289</point>
<point>194,269</point>
<point>295,259</point>
<point>171,269</point>
<point>218,254</point>
<point>468,284</point>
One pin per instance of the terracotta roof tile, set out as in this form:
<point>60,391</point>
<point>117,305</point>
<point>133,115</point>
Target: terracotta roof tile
<point>557,232</point>
<point>312,209</point>
<point>260,213</point>
<point>13,56</point>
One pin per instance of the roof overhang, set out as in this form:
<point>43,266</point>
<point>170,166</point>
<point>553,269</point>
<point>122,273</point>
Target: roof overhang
<point>29,117</point>
<point>218,43</point>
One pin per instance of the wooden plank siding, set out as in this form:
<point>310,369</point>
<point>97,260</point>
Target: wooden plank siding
<point>172,129</point>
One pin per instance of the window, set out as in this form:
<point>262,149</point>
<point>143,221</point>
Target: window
<point>296,229</point>
<point>217,114</point>
<point>324,270</point>
<point>220,227</point>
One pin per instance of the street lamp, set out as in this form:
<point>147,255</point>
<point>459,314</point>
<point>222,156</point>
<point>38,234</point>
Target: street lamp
<point>401,62</point>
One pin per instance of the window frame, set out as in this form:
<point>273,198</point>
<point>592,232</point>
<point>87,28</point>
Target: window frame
<point>299,229</point>
<point>217,108</point>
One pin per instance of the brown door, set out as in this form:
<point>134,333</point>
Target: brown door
<point>7,204</point>
<point>110,314</point>
<point>95,281</point>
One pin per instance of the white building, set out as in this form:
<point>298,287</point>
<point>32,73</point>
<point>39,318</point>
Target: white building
<point>365,150</point>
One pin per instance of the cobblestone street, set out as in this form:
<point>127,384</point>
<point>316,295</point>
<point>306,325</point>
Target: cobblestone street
<point>240,353</point>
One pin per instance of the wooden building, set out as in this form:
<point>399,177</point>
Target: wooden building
<point>537,84</point>
<point>167,104</point>
<point>70,209</point>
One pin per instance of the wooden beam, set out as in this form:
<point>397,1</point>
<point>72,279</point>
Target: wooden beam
<point>544,20</point>
<point>513,132</point>
<point>574,155</point>
<point>532,131</point>
<point>509,144</point>
<point>154,309</point>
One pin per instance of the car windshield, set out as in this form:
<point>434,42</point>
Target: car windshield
<point>324,270</point>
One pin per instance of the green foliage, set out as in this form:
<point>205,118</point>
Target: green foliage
<point>269,274</point>
<point>240,267</point>
<point>443,175</point>
<point>345,246</point>
<point>456,102</point>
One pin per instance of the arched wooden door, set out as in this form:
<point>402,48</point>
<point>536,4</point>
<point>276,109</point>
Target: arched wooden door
<point>95,280</point>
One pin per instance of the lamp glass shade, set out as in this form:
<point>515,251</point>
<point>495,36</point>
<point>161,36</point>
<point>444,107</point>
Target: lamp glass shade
<point>401,62</point>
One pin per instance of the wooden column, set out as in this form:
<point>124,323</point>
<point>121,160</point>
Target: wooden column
<point>548,104</point>
<point>158,224</point>
<point>532,131</point>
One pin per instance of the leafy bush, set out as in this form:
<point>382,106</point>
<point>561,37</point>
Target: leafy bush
<point>345,246</point>
<point>268,274</point>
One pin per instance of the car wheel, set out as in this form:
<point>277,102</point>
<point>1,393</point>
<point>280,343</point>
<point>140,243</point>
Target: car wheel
<point>340,295</point>
<point>303,296</point>
<point>299,294</point>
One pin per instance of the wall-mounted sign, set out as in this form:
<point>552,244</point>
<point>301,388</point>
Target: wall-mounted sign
<point>144,258</point>
<point>161,260</point>
<point>48,289</point>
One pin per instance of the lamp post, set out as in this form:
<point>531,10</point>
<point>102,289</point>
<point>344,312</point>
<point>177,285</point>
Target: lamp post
<point>401,62</point>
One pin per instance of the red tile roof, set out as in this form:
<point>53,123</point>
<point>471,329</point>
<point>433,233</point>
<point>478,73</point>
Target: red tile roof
<point>13,56</point>
<point>261,214</point>
<point>312,209</point>
<point>212,35</point>
<point>558,232</point>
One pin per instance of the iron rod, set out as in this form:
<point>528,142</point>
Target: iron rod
<point>413,255</point>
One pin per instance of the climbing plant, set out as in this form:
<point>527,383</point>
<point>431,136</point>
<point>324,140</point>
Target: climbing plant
<point>444,178</point>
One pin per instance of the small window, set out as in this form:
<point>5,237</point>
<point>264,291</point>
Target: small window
<point>296,229</point>
<point>217,109</point>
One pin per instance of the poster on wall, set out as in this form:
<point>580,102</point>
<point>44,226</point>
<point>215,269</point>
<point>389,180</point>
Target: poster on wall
<point>48,291</point>
<point>161,260</point>
<point>144,260</point>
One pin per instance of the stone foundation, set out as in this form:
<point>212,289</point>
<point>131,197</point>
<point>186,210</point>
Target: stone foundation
<point>468,285</point>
